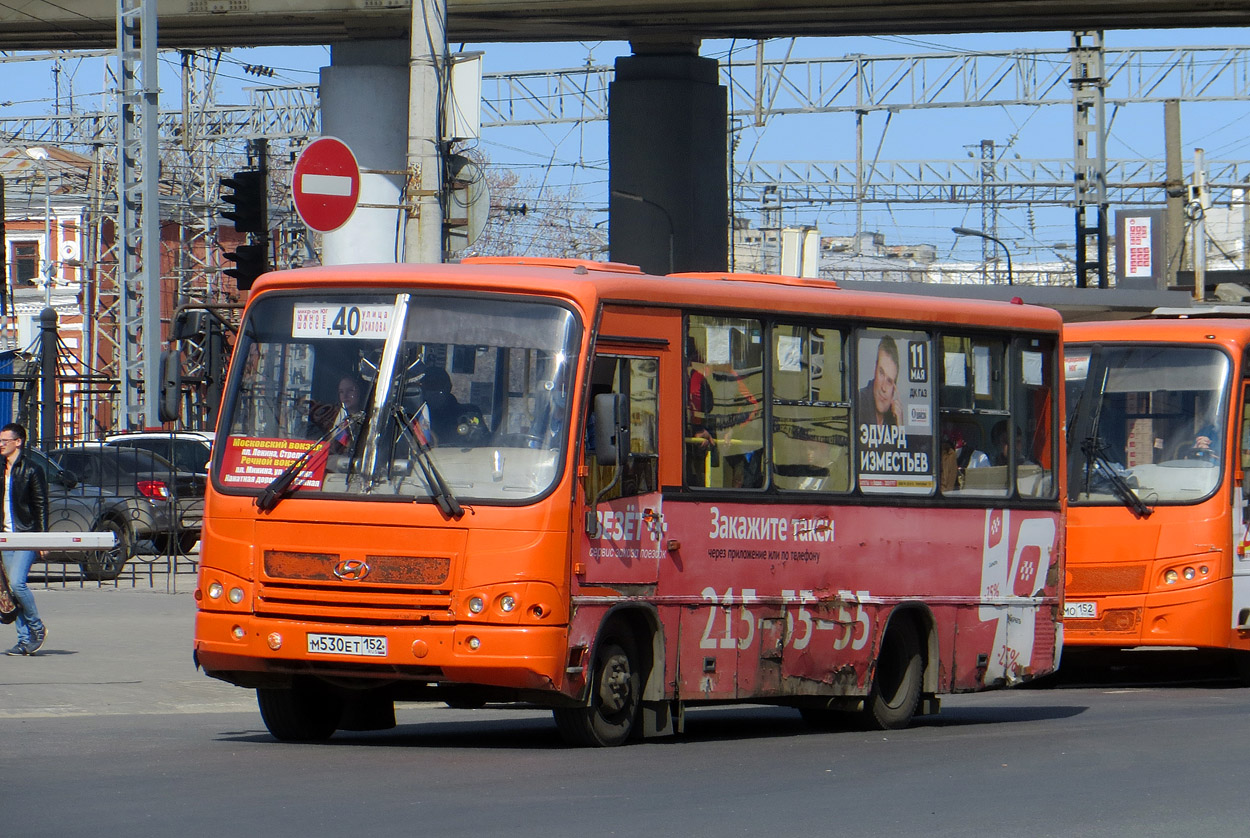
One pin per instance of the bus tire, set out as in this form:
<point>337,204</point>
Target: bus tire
<point>896,682</point>
<point>304,712</point>
<point>611,717</point>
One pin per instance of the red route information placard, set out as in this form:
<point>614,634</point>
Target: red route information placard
<point>256,461</point>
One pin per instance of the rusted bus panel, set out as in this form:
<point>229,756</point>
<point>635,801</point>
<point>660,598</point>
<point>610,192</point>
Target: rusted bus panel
<point>1104,579</point>
<point>431,571</point>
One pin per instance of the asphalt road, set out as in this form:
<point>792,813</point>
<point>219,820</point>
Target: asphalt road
<point>112,732</point>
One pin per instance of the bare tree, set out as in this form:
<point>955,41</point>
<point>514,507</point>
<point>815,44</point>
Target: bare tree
<point>531,219</point>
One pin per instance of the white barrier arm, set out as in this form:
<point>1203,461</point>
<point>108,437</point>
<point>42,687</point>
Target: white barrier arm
<point>57,540</point>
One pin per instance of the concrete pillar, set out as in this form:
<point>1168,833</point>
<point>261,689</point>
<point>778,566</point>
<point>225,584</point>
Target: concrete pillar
<point>364,103</point>
<point>667,161</point>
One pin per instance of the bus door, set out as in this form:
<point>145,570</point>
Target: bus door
<point>1240,514</point>
<point>623,537</point>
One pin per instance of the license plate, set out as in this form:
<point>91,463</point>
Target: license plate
<point>347,644</point>
<point>1080,610</point>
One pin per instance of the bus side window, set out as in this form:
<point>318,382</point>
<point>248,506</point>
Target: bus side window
<point>811,418</point>
<point>972,403</point>
<point>1035,445</point>
<point>727,354</point>
<point>639,378</point>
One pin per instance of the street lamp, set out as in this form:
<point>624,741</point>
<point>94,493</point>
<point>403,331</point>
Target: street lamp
<point>967,231</point>
<point>672,231</point>
<point>40,156</point>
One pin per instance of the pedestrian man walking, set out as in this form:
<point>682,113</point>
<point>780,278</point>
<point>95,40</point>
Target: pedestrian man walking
<point>25,509</point>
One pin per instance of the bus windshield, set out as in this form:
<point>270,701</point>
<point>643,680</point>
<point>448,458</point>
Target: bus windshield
<point>1156,422</point>
<point>415,396</point>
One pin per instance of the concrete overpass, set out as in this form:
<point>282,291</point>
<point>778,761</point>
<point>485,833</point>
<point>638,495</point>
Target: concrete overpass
<point>668,123</point>
<point>84,24</point>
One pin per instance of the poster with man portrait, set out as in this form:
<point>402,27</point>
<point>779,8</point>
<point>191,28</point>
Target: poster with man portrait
<point>894,412</point>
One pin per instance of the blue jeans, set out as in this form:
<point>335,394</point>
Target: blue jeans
<point>17,566</point>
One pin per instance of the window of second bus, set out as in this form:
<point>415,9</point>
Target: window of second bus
<point>811,418</point>
<point>1156,423</point>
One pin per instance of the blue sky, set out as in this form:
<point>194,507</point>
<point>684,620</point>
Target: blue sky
<point>563,156</point>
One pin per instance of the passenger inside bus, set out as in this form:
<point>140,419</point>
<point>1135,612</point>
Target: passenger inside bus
<point>699,440</point>
<point>451,422</point>
<point>1001,450</point>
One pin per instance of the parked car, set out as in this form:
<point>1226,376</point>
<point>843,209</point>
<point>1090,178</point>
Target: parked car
<point>78,507</point>
<point>168,504</point>
<point>187,450</point>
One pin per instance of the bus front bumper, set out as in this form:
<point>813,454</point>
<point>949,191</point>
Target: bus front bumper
<point>254,651</point>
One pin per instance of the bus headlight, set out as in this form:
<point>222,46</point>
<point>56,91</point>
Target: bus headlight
<point>507,602</point>
<point>235,595</point>
<point>1190,573</point>
<point>1170,577</point>
<point>476,605</point>
<point>215,590</point>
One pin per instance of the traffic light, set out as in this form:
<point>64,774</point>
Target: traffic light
<point>250,261</point>
<point>250,213</point>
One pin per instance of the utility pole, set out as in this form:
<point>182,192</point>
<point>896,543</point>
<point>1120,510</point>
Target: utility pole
<point>1196,209</point>
<point>138,211</point>
<point>1174,189</point>
<point>428,82</point>
<point>1089,83</point>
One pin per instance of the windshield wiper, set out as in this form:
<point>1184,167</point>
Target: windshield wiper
<point>1096,458</point>
<point>433,477</point>
<point>281,486</point>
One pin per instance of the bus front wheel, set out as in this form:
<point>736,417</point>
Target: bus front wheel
<point>895,692</point>
<point>612,715</point>
<point>304,712</point>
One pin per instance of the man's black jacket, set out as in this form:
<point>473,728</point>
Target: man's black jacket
<point>30,496</point>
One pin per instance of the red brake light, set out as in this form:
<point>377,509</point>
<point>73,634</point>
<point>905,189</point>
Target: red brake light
<point>154,489</point>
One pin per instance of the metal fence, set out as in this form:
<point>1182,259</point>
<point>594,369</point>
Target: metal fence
<point>153,508</point>
<point>171,573</point>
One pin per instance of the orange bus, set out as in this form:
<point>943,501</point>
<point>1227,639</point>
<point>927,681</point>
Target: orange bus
<point>1156,527</point>
<point>618,495</point>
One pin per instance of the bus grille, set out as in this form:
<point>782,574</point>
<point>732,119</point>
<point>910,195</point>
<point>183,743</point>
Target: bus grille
<point>1124,579</point>
<point>374,590</point>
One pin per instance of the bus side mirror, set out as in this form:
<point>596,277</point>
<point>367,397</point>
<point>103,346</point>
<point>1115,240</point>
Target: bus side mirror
<point>170,404</point>
<point>611,428</point>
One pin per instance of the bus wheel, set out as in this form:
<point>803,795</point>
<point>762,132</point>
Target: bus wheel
<point>305,712</point>
<point>896,684</point>
<point>612,715</point>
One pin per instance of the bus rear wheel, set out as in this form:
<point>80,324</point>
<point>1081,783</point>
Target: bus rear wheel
<point>612,715</point>
<point>304,712</point>
<point>895,692</point>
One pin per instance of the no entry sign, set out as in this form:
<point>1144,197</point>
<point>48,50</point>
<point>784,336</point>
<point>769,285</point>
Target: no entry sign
<point>325,184</point>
